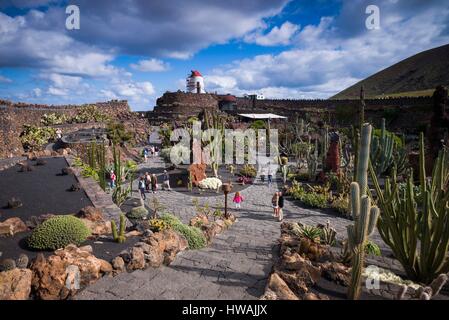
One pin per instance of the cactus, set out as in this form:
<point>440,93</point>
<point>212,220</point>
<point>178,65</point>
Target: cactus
<point>328,234</point>
<point>382,151</point>
<point>101,161</point>
<point>416,226</point>
<point>324,144</point>
<point>312,162</point>
<point>364,215</point>
<point>190,183</point>
<point>120,235</point>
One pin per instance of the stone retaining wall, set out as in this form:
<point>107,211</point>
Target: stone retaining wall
<point>13,116</point>
<point>99,198</point>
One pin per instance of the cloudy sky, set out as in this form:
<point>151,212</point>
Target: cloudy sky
<point>138,49</point>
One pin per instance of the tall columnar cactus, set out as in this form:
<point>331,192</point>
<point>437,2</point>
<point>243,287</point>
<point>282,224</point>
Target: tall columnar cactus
<point>382,148</point>
<point>101,160</point>
<point>364,215</point>
<point>363,159</point>
<point>324,144</point>
<point>415,222</point>
<point>355,149</point>
<point>312,162</point>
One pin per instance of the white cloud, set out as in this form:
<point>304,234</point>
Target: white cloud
<point>326,59</point>
<point>57,91</point>
<point>277,36</point>
<point>37,92</point>
<point>151,65</point>
<point>24,46</point>
<point>4,79</point>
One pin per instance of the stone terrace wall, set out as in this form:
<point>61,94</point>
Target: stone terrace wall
<point>182,105</point>
<point>407,113</point>
<point>14,115</point>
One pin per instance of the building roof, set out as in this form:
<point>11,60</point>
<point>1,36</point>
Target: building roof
<point>261,116</point>
<point>229,98</point>
<point>196,73</point>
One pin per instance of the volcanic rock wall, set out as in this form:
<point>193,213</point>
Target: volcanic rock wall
<point>13,116</point>
<point>407,114</point>
<point>181,105</point>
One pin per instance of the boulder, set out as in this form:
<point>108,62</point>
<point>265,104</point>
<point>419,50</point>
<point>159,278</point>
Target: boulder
<point>154,257</point>
<point>34,221</point>
<point>11,226</point>
<point>164,246</point>
<point>52,275</point>
<point>220,224</point>
<point>137,259</point>
<point>199,220</point>
<point>211,230</point>
<point>118,264</point>
<point>105,267</point>
<point>22,261</point>
<point>336,272</point>
<point>98,228</point>
<point>15,284</point>
<point>7,264</point>
<point>314,296</point>
<point>90,213</point>
<point>295,282</point>
<point>49,276</point>
<point>279,289</point>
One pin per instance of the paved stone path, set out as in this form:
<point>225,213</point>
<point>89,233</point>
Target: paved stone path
<point>235,266</point>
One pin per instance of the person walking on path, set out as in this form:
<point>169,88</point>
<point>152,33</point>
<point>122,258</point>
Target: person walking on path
<point>147,181</point>
<point>153,183</point>
<point>238,199</point>
<point>281,206</point>
<point>113,179</point>
<point>166,181</point>
<point>152,151</point>
<point>145,154</point>
<point>275,204</point>
<point>142,188</point>
<point>270,175</point>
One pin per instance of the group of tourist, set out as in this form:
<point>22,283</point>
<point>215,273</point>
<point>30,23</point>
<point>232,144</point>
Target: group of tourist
<point>152,151</point>
<point>149,183</point>
<point>269,172</point>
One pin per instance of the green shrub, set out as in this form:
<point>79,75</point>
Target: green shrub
<point>296,190</point>
<point>341,204</point>
<point>117,132</point>
<point>137,213</point>
<point>53,118</point>
<point>194,236</point>
<point>157,225</point>
<point>314,200</point>
<point>372,248</point>
<point>34,138</point>
<point>89,113</point>
<point>248,170</point>
<point>58,232</point>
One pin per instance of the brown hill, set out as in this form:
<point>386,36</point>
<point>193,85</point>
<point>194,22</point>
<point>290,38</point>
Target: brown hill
<point>420,72</point>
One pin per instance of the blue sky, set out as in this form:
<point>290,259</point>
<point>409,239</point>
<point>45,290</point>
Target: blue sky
<point>136,50</point>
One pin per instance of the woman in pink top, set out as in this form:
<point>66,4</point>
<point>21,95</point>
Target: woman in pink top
<point>237,200</point>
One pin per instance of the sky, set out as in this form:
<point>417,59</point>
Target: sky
<point>138,49</point>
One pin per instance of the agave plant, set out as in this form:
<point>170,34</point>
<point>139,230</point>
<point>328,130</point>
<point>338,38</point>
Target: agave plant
<point>416,225</point>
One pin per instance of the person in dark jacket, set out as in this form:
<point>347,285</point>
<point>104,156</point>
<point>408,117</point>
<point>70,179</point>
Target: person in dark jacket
<point>281,206</point>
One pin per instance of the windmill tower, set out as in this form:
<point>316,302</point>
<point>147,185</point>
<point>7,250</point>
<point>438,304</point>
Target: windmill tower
<point>195,82</point>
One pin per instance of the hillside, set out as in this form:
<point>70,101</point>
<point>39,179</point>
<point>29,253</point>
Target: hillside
<point>418,73</point>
